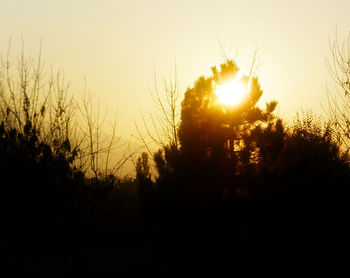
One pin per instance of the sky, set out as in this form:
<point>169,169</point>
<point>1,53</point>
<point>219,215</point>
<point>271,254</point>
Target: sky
<point>118,46</point>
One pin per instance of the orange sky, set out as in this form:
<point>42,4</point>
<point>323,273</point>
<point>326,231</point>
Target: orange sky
<point>118,45</point>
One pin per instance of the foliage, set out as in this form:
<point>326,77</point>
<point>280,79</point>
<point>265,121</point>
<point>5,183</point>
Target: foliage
<point>235,185</point>
<point>142,167</point>
<point>209,129</point>
<point>240,172</point>
<point>38,105</point>
<point>41,186</point>
<point>214,138</point>
<point>47,154</point>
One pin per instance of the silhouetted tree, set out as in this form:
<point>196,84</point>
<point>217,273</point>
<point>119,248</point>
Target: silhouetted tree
<point>339,98</point>
<point>214,138</point>
<point>301,190</point>
<point>46,156</point>
<point>143,167</point>
<point>162,127</point>
<point>146,191</point>
<point>241,173</point>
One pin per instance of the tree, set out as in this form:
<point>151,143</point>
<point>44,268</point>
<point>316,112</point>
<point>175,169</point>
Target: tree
<point>164,122</point>
<point>216,142</point>
<point>38,104</point>
<point>215,133</point>
<point>143,167</point>
<point>47,154</point>
<point>239,174</point>
<point>339,99</point>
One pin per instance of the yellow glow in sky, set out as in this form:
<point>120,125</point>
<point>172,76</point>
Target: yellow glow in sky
<point>118,45</point>
<point>231,92</point>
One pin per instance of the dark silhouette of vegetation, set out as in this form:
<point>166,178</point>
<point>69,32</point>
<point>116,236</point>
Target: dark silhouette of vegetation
<point>241,178</point>
<point>55,177</point>
<point>215,140</point>
<point>237,190</point>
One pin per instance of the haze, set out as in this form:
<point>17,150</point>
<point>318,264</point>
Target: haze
<point>119,45</point>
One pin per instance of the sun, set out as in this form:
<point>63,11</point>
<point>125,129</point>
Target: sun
<point>231,92</point>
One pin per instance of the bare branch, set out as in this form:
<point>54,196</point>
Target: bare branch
<point>339,99</point>
<point>161,126</point>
